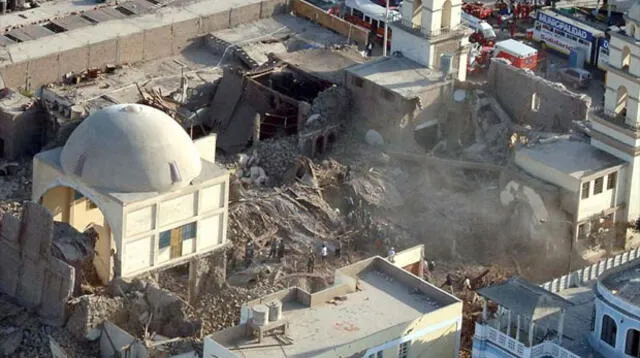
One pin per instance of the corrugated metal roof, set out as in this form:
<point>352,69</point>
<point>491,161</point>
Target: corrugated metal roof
<point>72,22</point>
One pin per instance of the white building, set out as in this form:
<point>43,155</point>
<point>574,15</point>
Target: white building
<point>430,29</point>
<point>155,198</point>
<point>616,127</point>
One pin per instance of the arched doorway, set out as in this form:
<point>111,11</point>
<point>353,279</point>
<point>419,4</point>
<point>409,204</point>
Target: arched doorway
<point>446,15</point>
<point>626,58</point>
<point>416,18</point>
<point>70,206</point>
<point>621,102</point>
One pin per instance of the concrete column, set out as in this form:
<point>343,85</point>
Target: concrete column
<point>561,326</point>
<point>532,327</point>
<point>509,323</point>
<point>194,280</point>
<point>484,310</point>
<point>518,328</point>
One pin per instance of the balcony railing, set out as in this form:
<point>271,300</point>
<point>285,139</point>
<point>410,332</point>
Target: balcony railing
<point>612,117</point>
<point>519,349</point>
<point>408,26</point>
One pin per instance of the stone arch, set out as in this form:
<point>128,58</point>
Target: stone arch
<point>621,101</point>
<point>82,211</point>
<point>445,23</point>
<point>626,57</point>
<point>416,16</point>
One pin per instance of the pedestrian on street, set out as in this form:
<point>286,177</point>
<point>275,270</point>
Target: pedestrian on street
<point>281,250</point>
<point>324,252</point>
<point>311,262</point>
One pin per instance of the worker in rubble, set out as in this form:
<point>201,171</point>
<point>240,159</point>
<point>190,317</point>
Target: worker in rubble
<point>324,252</point>
<point>273,248</point>
<point>248,253</point>
<point>467,283</point>
<point>448,282</point>
<point>392,254</point>
<point>311,262</point>
<point>281,250</point>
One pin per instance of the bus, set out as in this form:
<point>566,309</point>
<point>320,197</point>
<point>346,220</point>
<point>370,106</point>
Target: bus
<point>370,15</point>
<point>564,34</point>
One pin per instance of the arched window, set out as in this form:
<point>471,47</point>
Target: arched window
<point>608,330</point>
<point>632,343</point>
<point>446,15</point>
<point>626,58</point>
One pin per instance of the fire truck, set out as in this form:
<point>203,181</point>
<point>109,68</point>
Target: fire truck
<point>483,32</point>
<point>370,16</point>
<point>477,9</point>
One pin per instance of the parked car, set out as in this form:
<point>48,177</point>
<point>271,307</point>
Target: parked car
<point>575,77</point>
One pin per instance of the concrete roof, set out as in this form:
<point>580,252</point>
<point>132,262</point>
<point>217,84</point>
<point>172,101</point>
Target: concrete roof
<point>131,148</point>
<point>385,300</point>
<point>326,64</point>
<point>103,14</point>
<point>31,32</point>
<point>72,22</point>
<point>624,281</point>
<point>572,157</point>
<point>398,74</point>
<point>113,29</point>
<point>523,297</point>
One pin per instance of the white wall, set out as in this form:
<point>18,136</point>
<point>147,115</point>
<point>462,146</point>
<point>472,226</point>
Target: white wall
<point>411,46</point>
<point>614,81</point>
<point>596,203</point>
<point>546,173</point>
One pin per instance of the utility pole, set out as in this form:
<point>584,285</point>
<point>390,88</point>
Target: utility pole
<point>386,28</point>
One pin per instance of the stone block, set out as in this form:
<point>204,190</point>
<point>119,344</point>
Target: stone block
<point>37,232</point>
<point>29,290</point>
<point>57,288</point>
<point>9,269</point>
<point>10,229</point>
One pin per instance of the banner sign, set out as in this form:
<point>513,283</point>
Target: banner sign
<point>564,27</point>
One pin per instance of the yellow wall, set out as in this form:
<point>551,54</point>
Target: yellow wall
<point>442,342</point>
<point>77,213</point>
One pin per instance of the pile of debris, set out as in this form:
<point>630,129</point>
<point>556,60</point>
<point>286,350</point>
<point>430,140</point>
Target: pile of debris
<point>266,162</point>
<point>15,186</point>
<point>330,107</point>
<point>154,98</point>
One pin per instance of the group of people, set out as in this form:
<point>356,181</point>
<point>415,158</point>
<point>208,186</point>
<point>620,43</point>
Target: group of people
<point>276,251</point>
<point>324,253</point>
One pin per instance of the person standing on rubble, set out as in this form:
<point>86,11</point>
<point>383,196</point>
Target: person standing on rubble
<point>311,262</point>
<point>280,250</point>
<point>324,252</point>
<point>273,249</point>
<point>248,253</point>
<point>392,254</point>
<point>448,282</point>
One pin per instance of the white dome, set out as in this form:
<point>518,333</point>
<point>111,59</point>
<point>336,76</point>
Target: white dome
<point>634,12</point>
<point>131,148</point>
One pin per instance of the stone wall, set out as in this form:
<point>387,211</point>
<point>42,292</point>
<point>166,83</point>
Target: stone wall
<point>530,99</point>
<point>28,271</point>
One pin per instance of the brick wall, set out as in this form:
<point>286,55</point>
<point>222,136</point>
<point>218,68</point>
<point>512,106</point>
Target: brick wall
<point>28,271</point>
<point>515,89</point>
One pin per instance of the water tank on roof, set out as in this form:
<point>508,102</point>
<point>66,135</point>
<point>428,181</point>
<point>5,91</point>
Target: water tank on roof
<point>260,315</point>
<point>275,311</point>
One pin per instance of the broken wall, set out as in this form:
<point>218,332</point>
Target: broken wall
<point>20,131</point>
<point>531,99</point>
<point>28,271</point>
<point>393,115</point>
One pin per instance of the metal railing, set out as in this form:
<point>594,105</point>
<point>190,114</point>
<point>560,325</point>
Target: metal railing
<point>407,25</point>
<point>544,349</point>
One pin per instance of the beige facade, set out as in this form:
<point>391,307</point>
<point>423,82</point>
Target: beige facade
<point>392,313</point>
<point>143,230</point>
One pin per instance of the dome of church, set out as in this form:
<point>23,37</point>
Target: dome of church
<point>131,148</point>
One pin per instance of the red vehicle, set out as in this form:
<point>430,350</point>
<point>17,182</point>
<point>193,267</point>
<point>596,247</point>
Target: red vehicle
<point>479,59</point>
<point>519,54</point>
<point>477,9</point>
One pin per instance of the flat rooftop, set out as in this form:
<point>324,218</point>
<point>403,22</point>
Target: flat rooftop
<point>325,64</point>
<point>578,159</point>
<point>398,74</point>
<point>385,298</point>
<point>209,171</point>
<point>624,282</point>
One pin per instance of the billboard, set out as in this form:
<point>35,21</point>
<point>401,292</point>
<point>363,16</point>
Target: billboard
<point>560,25</point>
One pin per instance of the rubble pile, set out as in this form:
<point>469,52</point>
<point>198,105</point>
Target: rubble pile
<point>330,107</point>
<point>273,156</point>
<point>24,335</point>
<point>15,186</point>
